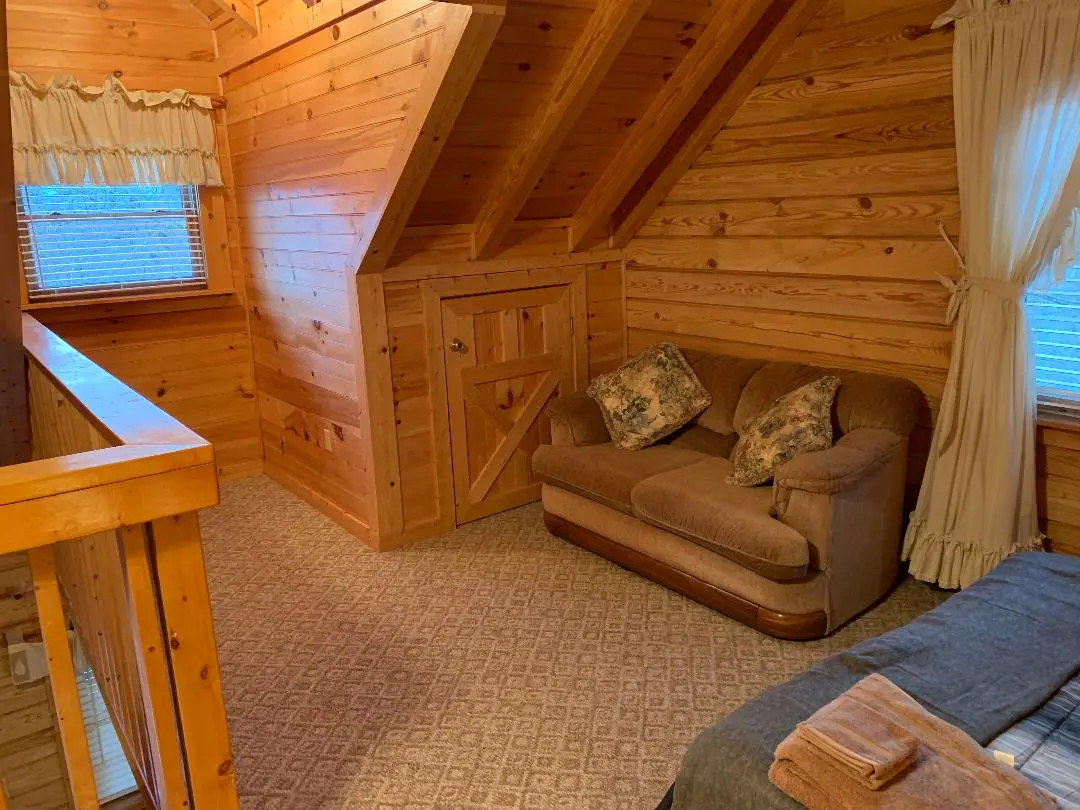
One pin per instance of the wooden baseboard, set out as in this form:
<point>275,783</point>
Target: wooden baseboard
<point>788,626</point>
<point>351,523</point>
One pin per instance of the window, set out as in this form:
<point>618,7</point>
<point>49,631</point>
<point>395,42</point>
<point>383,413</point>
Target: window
<point>1054,316</point>
<point>109,240</point>
<point>112,774</point>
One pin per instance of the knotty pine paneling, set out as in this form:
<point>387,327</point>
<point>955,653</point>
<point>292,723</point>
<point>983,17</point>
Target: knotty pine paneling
<point>417,437</point>
<point>519,71</point>
<point>808,229</point>
<point>161,45</point>
<point>311,129</point>
<point>193,360</point>
<point>31,760</point>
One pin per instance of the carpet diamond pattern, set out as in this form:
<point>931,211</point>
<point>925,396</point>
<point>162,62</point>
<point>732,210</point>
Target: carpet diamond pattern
<point>493,667</point>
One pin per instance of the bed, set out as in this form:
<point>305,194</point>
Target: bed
<point>985,660</point>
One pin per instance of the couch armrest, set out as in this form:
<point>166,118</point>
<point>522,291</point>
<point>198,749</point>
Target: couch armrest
<point>843,465</point>
<point>576,420</point>
<point>848,502</point>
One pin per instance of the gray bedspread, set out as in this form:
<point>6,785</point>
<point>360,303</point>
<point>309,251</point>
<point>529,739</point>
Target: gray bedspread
<point>982,660</point>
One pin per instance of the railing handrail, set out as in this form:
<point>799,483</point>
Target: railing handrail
<point>123,482</point>
<point>71,496</point>
<point>118,411</point>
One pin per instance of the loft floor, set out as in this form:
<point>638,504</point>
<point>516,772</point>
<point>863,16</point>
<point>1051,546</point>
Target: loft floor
<point>495,666</point>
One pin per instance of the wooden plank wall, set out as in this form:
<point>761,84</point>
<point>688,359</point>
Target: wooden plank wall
<point>193,358</point>
<point>31,760</point>
<point>807,231</point>
<point>418,440</point>
<point>311,128</point>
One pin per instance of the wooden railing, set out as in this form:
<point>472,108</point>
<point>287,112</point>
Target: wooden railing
<point>107,513</point>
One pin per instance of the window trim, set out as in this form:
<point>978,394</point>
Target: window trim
<point>219,275</point>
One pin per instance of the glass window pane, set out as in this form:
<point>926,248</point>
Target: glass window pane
<point>80,239</point>
<point>1054,316</point>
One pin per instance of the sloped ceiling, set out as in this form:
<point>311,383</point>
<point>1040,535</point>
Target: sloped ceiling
<point>538,141</point>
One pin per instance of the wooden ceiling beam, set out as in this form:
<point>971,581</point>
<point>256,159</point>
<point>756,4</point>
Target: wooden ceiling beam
<point>775,32</point>
<point>242,11</point>
<point>731,24</point>
<point>464,44</point>
<point>605,34</point>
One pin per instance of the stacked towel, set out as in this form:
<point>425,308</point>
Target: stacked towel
<point>875,747</point>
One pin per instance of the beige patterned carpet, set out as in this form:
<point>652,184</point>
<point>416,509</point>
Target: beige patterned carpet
<point>496,666</point>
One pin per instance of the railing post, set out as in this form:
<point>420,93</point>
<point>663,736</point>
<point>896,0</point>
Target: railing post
<point>170,784</point>
<point>189,630</point>
<point>54,634</point>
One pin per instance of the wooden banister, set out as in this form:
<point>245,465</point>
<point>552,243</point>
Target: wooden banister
<point>105,456</point>
<point>107,512</point>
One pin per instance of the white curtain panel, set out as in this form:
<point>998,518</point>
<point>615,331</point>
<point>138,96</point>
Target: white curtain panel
<point>1016,75</point>
<point>66,134</point>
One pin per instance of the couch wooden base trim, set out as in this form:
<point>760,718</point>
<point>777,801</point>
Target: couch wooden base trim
<point>792,627</point>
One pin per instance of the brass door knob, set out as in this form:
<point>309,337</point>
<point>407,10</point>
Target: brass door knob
<point>456,345</point>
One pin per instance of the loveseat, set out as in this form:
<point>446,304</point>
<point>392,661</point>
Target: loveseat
<point>796,558</point>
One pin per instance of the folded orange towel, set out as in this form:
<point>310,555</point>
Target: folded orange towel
<point>864,743</point>
<point>826,770</point>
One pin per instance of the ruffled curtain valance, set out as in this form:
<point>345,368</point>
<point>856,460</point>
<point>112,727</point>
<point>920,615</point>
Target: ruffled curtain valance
<point>66,134</point>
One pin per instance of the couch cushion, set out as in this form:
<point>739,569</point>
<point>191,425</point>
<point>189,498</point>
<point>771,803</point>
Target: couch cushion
<point>605,473</point>
<point>724,377</point>
<point>696,503</point>
<point>864,400</point>
<point>703,440</point>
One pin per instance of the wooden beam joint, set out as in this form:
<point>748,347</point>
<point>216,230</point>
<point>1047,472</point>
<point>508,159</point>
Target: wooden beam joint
<point>605,34</point>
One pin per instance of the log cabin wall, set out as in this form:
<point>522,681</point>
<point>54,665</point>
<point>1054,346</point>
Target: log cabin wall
<point>191,358</point>
<point>807,230</point>
<point>418,437</point>
<point>312,127</point>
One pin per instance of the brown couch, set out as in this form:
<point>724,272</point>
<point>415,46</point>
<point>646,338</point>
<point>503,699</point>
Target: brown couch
<point>796,558</point>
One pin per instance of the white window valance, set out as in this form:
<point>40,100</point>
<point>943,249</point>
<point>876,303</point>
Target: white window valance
<point>64,133</point>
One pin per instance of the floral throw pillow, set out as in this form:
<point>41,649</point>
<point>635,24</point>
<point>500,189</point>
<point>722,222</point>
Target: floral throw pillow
<point>650,397</point>
<point>798,422</point>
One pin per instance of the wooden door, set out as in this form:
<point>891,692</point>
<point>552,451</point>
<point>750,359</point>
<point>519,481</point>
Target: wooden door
<point>507,355</point>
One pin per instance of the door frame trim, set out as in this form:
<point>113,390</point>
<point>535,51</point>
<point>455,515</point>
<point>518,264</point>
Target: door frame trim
<point>433,292</point>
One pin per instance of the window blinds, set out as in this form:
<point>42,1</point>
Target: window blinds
<point>111,770</point>
<point>1054,317</point>
<point>89,240</point>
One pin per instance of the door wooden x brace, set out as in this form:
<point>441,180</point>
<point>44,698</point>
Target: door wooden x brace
<point>507,354</point>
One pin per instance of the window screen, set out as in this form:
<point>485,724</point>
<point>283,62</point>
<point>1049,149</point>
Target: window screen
<point>1054,316</point>
<point>95,240</point>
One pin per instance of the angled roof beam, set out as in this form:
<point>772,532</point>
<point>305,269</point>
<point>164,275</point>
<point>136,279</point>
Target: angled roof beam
<point>580,76</point>
<point>732,23</point>
<point>465,41</point>
<point>755,56</point>
<point>242,11</point>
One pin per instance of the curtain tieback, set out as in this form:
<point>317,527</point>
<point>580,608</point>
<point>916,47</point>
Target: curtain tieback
<point>958,289</point>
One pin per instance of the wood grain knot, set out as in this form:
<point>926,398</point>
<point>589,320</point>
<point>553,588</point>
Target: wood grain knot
<point>225,768</point>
